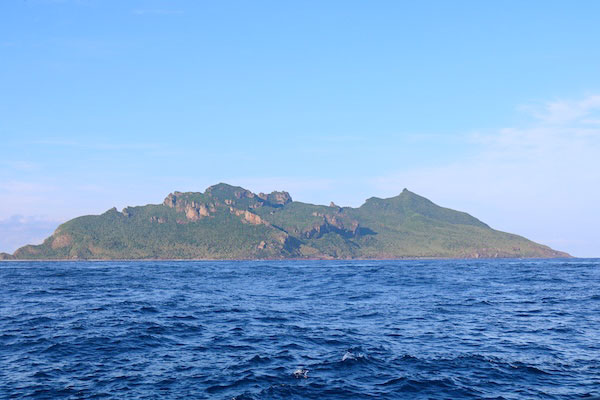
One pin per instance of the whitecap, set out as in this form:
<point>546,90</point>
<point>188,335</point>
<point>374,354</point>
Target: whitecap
<point>301,373</point>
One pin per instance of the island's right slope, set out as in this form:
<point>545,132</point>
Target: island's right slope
<point>411,225</point>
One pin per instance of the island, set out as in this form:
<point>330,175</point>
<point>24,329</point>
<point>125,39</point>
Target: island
<point>230,222</point>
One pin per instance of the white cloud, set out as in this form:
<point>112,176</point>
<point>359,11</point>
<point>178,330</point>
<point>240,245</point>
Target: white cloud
<point>566,111</point>
<point>541,181</point>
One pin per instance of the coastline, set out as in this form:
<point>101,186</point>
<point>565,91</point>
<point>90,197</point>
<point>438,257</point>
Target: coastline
<point>291,259</point>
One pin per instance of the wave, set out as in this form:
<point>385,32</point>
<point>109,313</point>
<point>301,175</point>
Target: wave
<point>380,330</point>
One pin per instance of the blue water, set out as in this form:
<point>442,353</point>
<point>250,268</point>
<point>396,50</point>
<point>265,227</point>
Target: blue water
<point>506,329</point>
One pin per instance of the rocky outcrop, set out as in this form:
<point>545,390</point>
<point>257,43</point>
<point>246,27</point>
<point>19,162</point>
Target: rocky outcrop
<point>6,256</point>
<point>249,217</point>
<point>171,200</point>
<point>223,191</point>
<point>337,223</point>
<point>276,198</point>
<point>243,194</point>
<point>193,210</point>
<point>281,198</point>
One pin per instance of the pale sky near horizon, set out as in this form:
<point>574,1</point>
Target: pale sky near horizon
<point>492,108</point>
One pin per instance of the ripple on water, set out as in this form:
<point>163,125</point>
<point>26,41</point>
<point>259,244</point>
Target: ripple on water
<point>300,330</point>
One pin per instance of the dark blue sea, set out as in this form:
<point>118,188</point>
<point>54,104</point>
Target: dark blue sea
<point>503,329</point>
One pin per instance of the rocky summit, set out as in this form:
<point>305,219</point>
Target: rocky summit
<point>230,222</point>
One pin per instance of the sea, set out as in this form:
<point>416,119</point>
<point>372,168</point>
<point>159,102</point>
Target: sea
<point>432,329</point>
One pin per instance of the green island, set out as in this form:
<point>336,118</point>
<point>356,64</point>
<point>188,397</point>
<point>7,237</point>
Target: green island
<point>230,222</point>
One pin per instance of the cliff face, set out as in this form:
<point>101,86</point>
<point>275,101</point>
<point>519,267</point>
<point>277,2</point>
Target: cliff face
<point>229,222</point>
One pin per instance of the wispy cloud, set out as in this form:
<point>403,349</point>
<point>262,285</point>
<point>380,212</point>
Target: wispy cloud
<point>21,196</point>
<point>18,230</point>
<point>156,11</point>
<point>567,111</point>
<point>24,187</point>
<point>96,145</point>
<point>20,165</point>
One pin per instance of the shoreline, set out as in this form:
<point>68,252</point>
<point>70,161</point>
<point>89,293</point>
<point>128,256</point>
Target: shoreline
<point>292,259</point>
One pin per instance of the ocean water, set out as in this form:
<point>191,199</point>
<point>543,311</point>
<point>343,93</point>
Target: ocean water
<point>502,329</point>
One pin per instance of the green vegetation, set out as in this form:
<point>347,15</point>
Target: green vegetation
<point>229,222</point>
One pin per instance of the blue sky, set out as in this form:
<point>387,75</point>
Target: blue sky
<point>488,107</point>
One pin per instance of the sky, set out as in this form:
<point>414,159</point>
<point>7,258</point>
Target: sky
<point>492,108</point>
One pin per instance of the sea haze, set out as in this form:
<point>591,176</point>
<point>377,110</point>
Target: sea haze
<point>300,329</point>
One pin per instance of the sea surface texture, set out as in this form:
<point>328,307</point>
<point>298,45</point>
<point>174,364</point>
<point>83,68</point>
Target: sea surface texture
<point>505,329</point>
